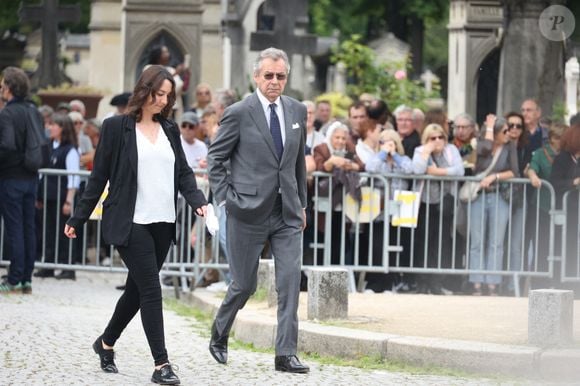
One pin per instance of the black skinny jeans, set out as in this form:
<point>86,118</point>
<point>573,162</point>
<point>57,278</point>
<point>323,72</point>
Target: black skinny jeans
<point>144,256</point>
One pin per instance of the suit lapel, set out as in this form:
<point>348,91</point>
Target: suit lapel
<point>288,114</point>
<point>130,141</point>
<point>257,114</point>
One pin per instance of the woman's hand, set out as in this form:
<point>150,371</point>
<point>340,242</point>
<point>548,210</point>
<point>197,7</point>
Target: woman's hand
<point>201,211</point>
<point>576,181</point>
<point>490,121</point>
<point>389,147</point>
<point>70,232</point>
<point>535,180</point>
<point>66,208</point>
<point>487,181</point>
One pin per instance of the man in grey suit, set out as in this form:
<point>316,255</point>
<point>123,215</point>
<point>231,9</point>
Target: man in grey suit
<point>262,137</point>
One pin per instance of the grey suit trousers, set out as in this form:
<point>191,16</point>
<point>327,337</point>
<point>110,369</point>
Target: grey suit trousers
<point>245,243</point>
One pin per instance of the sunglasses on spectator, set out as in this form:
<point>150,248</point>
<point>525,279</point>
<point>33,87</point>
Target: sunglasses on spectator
<point>515,126</point>
<point>462,127</point>
<point>188,126</point>
<point>78,122</point>
<point>436,138</point>
<point>278,75</point>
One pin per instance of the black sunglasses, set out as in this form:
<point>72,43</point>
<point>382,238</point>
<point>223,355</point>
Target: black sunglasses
<point>188,126</point>
<point>279,76</point>
<point>515,125</point>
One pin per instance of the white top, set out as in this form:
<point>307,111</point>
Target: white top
<point>266,106</point>
<point>314,139</point>
<point>364,151</point>
<point>155,180</point>
<point>194,152</point>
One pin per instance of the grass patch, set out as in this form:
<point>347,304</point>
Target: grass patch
<point>365,362</point>
<point>261,295</point>
<point>183,309</point>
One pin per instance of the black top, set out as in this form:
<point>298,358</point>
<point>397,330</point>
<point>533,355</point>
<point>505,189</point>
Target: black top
<point>12,137</point>
<point>410,143</point>
<point>564,170</point>
<point>116,161</point>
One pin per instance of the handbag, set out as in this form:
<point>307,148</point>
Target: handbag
<point>470,189</point>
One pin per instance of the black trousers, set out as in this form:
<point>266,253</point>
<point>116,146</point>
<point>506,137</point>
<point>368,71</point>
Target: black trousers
<point>143,256</point>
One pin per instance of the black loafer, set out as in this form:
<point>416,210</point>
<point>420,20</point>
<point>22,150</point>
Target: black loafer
<point>165,376</point>
<point>290,364</point>
<point>107,356</point>
<point>218,346</point>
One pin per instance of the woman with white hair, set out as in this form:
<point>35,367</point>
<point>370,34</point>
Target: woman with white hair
<point>337,156</point>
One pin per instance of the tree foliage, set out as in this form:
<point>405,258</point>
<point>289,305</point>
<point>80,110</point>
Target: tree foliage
<point>386,80</point>
<point>9,16</point>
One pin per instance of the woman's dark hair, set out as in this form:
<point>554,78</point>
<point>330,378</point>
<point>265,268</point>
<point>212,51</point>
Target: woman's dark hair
<point>68,135</point>
<point>437,116</point>
<point>155,55</point>
<point>379,111</point>
<point>366,127</point>
<point>571,139</point>
<point>148,84</point>
<point>16,81</point>
<point>523,140</point>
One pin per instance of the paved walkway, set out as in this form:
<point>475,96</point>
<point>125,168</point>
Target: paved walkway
<point>46,339</point>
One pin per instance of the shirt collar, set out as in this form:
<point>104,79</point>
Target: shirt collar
<point>265,102</point>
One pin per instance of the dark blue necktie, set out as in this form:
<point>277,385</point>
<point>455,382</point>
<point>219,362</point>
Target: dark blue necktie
<point>275,131</point>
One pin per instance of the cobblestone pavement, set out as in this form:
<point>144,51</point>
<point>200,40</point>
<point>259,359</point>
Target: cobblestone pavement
<point>46,339</point>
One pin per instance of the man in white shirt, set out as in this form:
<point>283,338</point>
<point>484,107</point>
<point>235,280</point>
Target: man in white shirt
<point>194,149</point>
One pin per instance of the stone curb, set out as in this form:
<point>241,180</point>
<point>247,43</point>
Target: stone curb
<point>480,357</point>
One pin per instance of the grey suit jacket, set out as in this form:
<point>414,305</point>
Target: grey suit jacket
<point>257,175</point>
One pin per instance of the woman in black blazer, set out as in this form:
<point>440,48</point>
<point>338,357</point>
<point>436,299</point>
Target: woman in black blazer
<point>140,154</point>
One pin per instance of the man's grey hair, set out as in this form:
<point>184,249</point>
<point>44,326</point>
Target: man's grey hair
<point>225,97</point>
<point>402,109</point>
<point>274,54</point>
<point>465,117</point>
<point>310,104</point>
<point>418,113</point>
<point>46,110</point>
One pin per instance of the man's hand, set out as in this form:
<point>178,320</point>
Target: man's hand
<point>303,219</point>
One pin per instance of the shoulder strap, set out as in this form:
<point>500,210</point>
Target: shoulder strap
<point>493,162</point>
<point>548,157</point>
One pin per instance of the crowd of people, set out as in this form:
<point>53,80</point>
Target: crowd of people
<point>407,141</point>
<point>152,151</point>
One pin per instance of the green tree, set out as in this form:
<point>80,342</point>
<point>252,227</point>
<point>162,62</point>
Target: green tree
<point>9,16</point>
<point>387,80</point>
<point>409,20</point>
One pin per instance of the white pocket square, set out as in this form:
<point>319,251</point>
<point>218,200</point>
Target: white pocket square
<point>295,126</point>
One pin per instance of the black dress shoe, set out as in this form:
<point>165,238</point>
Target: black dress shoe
<point>44,273</point>
<point>165,376</point>
<point>290,364</point>
<point>107,356</point>
<point>66,275</point>
<point>218,346</point>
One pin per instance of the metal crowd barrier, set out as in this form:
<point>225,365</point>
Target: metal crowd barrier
<point>521,259</point>
<point>570,222</point>
<point>361,244</point>
<point>89,253</point>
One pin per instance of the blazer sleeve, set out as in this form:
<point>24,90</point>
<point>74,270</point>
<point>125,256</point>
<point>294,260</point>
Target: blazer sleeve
<point>301,160</point>
<point>186,179</point>
<point>109,143</point>
<point>220,152</point>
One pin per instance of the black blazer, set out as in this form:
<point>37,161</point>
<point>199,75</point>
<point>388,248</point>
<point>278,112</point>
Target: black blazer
<point>116,161</point>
